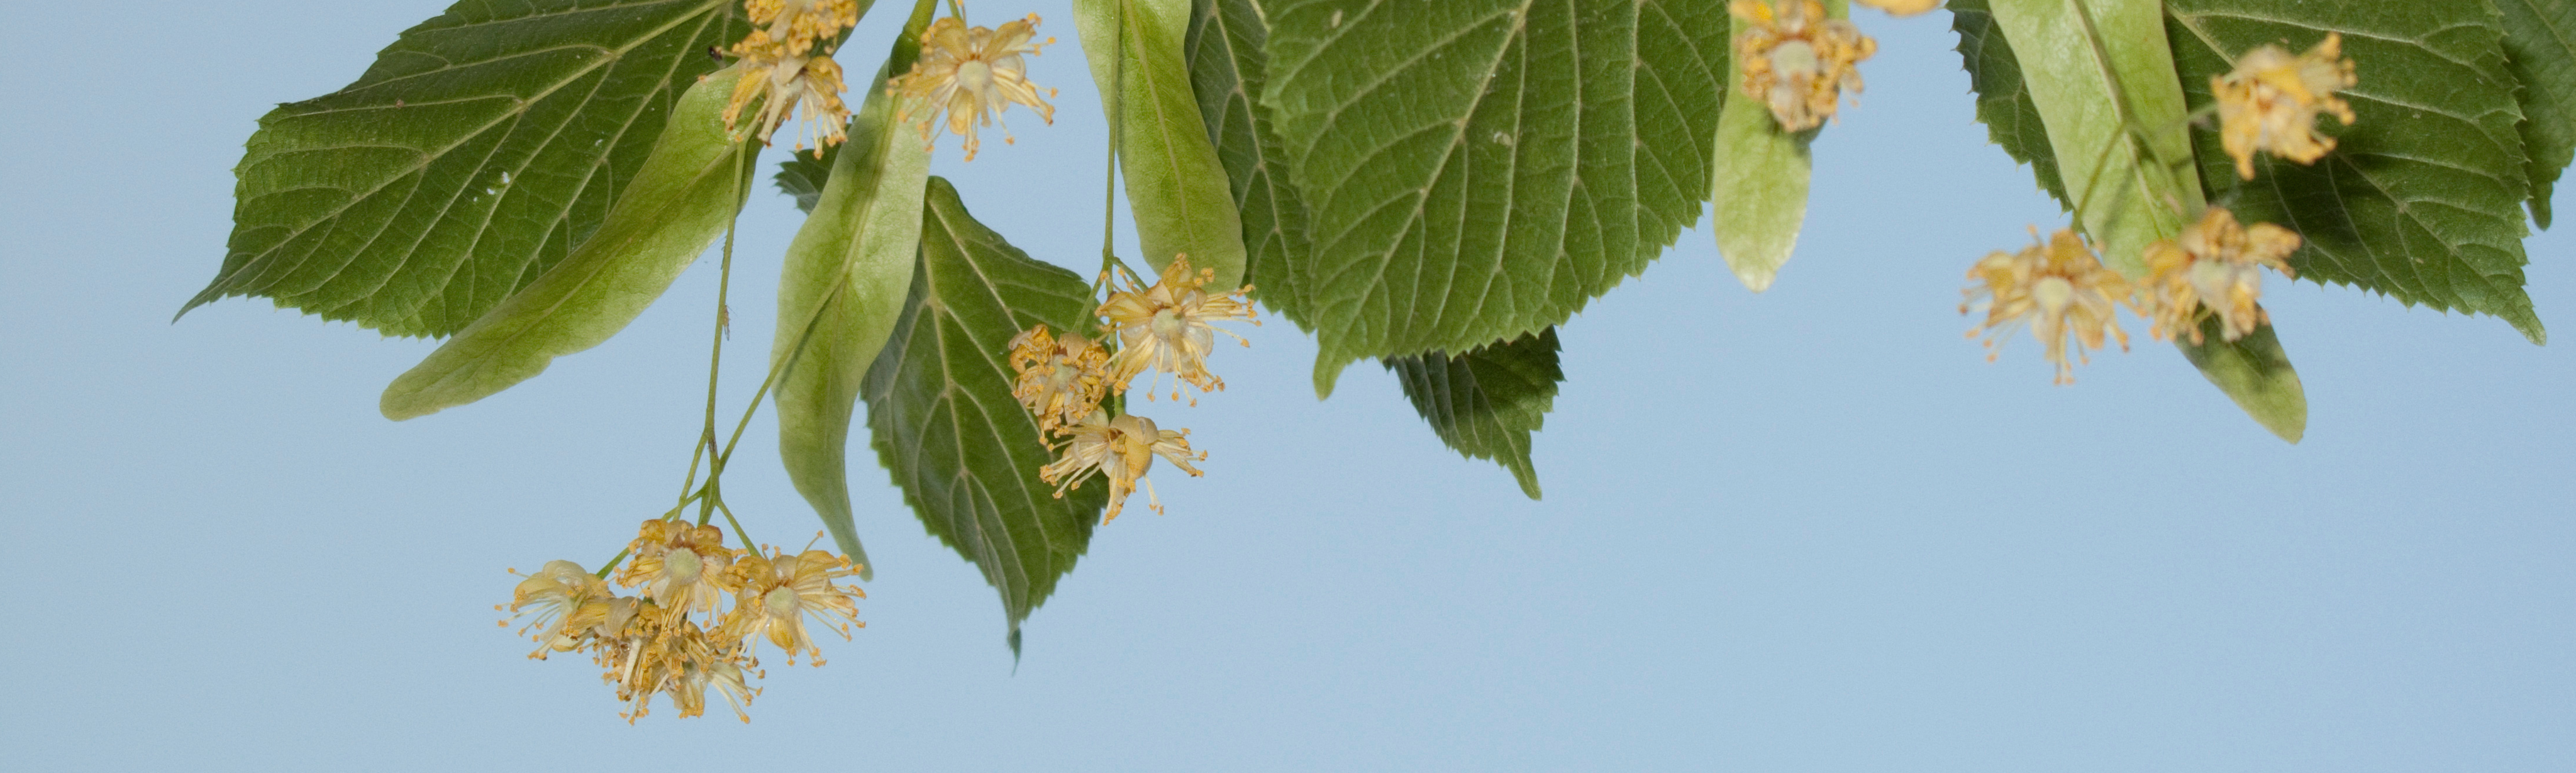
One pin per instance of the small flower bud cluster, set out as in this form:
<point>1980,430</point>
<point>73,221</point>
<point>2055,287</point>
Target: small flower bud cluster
<point>654,642</point>
<point>1168,327</point>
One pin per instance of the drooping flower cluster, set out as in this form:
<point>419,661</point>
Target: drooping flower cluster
<point>786,76</point>
<point>2271,101</point>
<point>1061,380</point>
<point>2058,288</point>
<point>1796,60</point>
<point>654,642</point>
<point>971,74</point>
<point>2215,267</point>
<point>1167,327</point>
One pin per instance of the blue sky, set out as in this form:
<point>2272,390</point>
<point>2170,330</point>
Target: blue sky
<point>1806,530</point>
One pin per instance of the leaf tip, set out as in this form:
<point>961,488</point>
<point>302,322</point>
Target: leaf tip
<point>1328,370</point>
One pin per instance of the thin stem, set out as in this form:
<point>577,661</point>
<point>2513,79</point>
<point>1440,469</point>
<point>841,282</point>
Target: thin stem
<point>957,8</point>
<point>1117,138</point>
<point>738,533</point>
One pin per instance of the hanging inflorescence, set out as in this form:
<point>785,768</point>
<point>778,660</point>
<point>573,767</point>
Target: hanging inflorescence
<point>787,70</point>
<point>971,74</point>
<point>698,613</point>
<point>2213,269</point>
<point>1167,327</point>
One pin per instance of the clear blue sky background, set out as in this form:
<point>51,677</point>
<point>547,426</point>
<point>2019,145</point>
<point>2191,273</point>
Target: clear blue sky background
<point>1808,530</point>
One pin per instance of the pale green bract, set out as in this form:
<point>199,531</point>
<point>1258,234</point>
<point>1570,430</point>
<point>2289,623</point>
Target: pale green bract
<point>839,292</point>
<point>679,202</point>
<point>1176,188</point>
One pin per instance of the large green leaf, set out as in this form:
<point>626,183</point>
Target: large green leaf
<point>678,203</point>
<point>2003,105</point>
<point>1477,170</point>
<point>1486,402</point>
<point>1176,188</point>
<point>479,151</point>
<point>2540,49</point>
<point>840,290</point>
<point>942,417</point>
<point>1227,69</point>
<point>2422,197</point>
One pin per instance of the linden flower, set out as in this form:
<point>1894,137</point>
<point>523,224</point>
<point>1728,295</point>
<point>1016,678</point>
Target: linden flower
<point>1902,7</point>
<point>680,566</point>
<point>2216,266</point>
<point>799,23</point>
<point>779,592</point>
<point>2056,288</point>
<point>1061,380</point>
<point>2271,101</point>
<point>549,598</point>
<point>787,85</point>
<point>973,74</point>
<point>689,691</point>
<point>1122,449</point>
<point>1798,61</point>
<point>1168,327</point>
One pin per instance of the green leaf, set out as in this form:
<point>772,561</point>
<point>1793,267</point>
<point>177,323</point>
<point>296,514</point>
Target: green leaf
<point>2255,373</point>
<point>1485,403</point>
<point>2422,197</point>
<point>1176,188</point>
<point>804,174</point>
<point>479,151</point>
<point>2540,49</point>
<point>2003,105</point>
<point>839,292</point>
<point>1477,170</point>
<point>942,417</point>
<point>679,201</point>
<point>1227,69</point>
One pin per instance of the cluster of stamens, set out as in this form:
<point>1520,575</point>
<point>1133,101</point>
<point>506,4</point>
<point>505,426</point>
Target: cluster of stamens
<point>971,74</point>
<point>1166,327</point>
<point>699,612</point>
<point>1798,61</point>
<point>787,70</point>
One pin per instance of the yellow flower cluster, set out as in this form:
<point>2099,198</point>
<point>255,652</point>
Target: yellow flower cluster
<point>2216,267</point>
<point>1797,61</point>
<point>2060,288</point>
<point>2271,101</point>
<point>784,74</point>
<point>648,644</point>
<point>972,74</point>
<point>1168,327</point>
